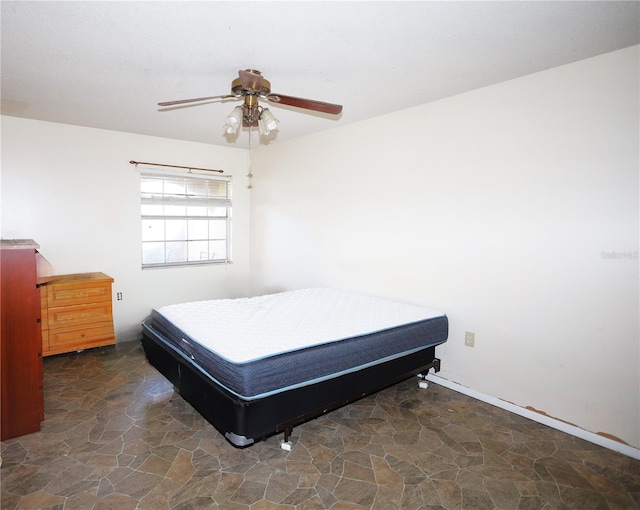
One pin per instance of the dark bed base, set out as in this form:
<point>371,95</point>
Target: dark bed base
<point>243,422</point>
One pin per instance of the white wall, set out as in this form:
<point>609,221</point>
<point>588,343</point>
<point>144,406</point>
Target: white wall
<point>73,191</point>
<point>501,207</point>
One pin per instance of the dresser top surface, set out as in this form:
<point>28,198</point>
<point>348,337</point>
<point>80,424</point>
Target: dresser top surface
<point>18,244</point>
<point>68,278</point>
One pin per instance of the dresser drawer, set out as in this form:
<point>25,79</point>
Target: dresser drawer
<point>79,315</point>
<point>71,339</point>
<point>65,294</point>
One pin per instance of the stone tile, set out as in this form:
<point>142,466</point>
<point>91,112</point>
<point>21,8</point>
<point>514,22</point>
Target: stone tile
<point>503,493</point>
<point>137,484</point>
<point>249,492</point>
<point>281,485</point>
<point>473,499</point>
<point>300,497</point>
<point>155,465</point>
<point>81,501</point>
<point>40,499</point>
<point>468,479</point>
<point>355,471</point>
<point>356,492</point>
<point>116,502</point>
<point>116,475</point>
<point>387,498</point>
<point>228,485</point>
<point>450,493</point>
<point>584,499</point>
<point>268,505</point>
<point>412,496</point>
<point>430,494</point>
<point>385,476</point>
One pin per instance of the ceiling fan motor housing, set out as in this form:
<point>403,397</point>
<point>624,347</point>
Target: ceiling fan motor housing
<point>263,89</point>
<point>250,109</point>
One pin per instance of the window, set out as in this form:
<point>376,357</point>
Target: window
<point>185,220</point>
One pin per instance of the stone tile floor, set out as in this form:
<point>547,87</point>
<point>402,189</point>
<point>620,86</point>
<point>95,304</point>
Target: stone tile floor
<point>116,436</point>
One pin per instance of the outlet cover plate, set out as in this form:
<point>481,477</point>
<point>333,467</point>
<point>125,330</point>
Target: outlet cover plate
<point>469,339</point>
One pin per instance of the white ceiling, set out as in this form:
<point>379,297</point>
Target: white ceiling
<point>107,64</point>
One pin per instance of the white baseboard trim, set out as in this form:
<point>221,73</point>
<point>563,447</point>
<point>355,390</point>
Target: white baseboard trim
<point>540,418</point>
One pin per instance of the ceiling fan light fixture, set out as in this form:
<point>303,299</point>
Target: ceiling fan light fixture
<point>269,120</point>
<point>233,121</point>
<point>264,130</point>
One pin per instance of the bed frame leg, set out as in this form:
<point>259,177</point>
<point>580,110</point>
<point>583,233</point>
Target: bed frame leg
<point>286,444</point>
<point>423,383</point>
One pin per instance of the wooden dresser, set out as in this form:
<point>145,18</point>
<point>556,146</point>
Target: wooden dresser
<point>77,312</point>
<point>22,374</point>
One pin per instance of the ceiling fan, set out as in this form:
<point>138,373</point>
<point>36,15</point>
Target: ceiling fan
<point>251,86</point>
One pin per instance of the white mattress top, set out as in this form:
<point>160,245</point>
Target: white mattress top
<point>245,329</point>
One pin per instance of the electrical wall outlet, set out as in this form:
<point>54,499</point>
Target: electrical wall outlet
<point>469,339</point>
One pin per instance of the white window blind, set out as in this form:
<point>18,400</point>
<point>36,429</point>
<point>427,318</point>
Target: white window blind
<point>186,219</point>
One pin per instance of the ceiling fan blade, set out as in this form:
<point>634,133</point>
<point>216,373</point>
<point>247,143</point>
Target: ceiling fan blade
<point>196,100</point>
<point>250,80</point>
<point>308,104</point>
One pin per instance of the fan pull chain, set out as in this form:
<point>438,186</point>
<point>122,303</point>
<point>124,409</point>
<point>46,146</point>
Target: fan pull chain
<point>250,174</point>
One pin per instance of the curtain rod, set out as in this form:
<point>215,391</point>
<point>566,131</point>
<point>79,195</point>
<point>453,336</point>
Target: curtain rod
<point>175,166</point>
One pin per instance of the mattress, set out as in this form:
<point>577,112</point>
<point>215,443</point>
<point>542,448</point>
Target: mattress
<point>255,347</point>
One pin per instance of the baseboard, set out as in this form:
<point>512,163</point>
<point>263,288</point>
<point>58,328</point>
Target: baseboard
<point>592,437</point>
